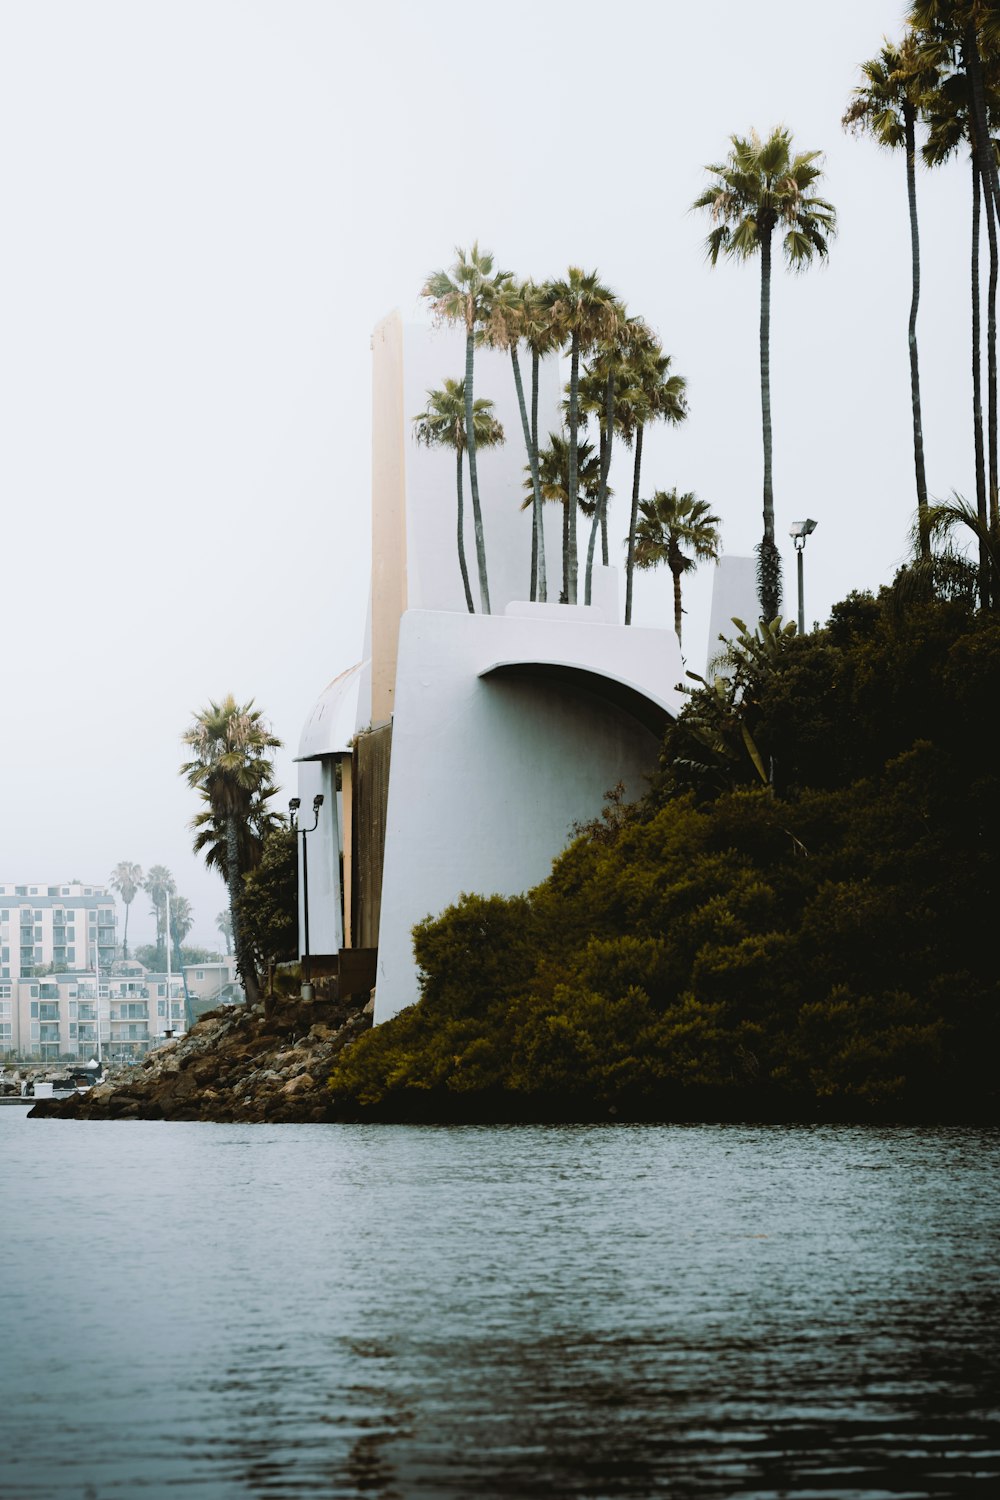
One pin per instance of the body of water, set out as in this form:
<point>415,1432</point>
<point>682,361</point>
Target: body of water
<point>212,1312</point>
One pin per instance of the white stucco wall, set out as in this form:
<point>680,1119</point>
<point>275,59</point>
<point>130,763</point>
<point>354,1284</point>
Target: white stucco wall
<point>489,774</point>
<point>325,924</point>
<point>734,592</point>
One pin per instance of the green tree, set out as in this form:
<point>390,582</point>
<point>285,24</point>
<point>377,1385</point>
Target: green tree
<point>654,396</point>
<point>159,883</point>
<point>181,922</point>
<point>514,314</point>
<point>232,771</point>
<point>126,879</point>
<point>224,923</point>
<point>442,424</point>
<point>553,475</point>
<point>583,311</point>
<point>465,295</point>
<point>680,531</point>
<point>269,907</point>
<point>605,389</point>
<point>886,107</point>
<point>763,187</point>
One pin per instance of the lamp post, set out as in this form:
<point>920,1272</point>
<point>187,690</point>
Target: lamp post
<point>798,531</point>
<point>293,818</point>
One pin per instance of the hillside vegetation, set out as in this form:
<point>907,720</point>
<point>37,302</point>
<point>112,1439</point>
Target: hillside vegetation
<point>797,920</point>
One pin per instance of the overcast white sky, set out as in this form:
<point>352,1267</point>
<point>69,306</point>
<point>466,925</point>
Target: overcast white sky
<point>207,205</point>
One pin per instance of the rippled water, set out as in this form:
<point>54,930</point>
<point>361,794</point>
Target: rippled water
<point>220,1311</point>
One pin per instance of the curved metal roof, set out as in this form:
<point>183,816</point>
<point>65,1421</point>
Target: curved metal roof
<point>333,722</point>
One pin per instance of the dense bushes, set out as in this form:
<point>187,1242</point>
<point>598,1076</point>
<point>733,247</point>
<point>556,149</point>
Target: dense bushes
<point>822,945</point>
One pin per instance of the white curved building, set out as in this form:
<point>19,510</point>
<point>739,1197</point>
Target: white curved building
<point>460,754</point>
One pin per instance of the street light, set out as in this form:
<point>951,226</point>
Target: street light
<point>293,818</point>
<point>798,531</point>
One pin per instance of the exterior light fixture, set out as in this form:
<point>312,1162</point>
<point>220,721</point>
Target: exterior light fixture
<point>798,531</point>
<point>308,992</point>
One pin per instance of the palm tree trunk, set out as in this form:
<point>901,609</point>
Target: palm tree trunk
<point>461,535</point>
<point>244,961</point>
<point>125,937</point>
<point>977,389</point>
<point>991,199</point>
<point>599,518</point>
<point>572,564</point>
<point>768,561</point>
<point>470,439</point>
<point>678,612</point>
<point>765,380</point>
<point>537,541</point>
<point>909,116</point>
<point>630,558</point>
<point>538,569</point>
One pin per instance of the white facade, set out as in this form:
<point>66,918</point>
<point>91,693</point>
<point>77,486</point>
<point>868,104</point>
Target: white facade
<point>71,926</point>
<point>507,728</point>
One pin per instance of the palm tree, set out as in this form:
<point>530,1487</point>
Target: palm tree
<point>159,884</point>
<point>553,475</point>
<point>126,879</point>
<point>762,187</point>
<point>464,295</point>
<point>224,923</point>
<point>604,392</point>
<point>679,530</point>
<point>514,310</point>
<point>232,770</point>
<point>181,922</point>
<point>885,106</point>
<point>945,517</point>
<point>583,311</point>
<point>948,111</point>
<point>442,424</point>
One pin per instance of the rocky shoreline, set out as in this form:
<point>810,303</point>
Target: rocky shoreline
<point>264,1064</point>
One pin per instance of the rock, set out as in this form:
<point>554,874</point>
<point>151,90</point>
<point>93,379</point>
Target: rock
<point>298,1084</point>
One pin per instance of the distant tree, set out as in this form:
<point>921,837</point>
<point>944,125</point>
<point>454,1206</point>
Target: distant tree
<point>181,922</point>
<point>126,879</point>
<point>159,883</point>
<point>224,923</point>
<point>232,770</point>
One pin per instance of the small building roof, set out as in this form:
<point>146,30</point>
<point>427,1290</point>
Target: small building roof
<point>331,726</point>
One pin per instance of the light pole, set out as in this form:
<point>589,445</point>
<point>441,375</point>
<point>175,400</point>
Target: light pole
<point>798,531</point>
<point>293,817</point>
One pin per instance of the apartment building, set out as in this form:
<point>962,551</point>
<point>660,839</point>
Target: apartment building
<point>70,926</point>
<point>73,1017</point>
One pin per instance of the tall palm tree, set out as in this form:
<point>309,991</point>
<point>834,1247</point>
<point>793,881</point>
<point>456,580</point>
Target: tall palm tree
<point>583,311</point>
<point>948,111</point>
<point>541,337</point>
<point>514,309</point>
<point>126,879</point>
<point>679,530</point>
<point>761,187</point>
<point>181,922</point>
<point>465,295</point>
<point>655,396</point>
<point>885,106</point>
<point>553,475</point>
<point>224,923</point>
<point>232,770</point>
<point>159,884</point>
<point>604,390</point>
<point>442,424</point>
